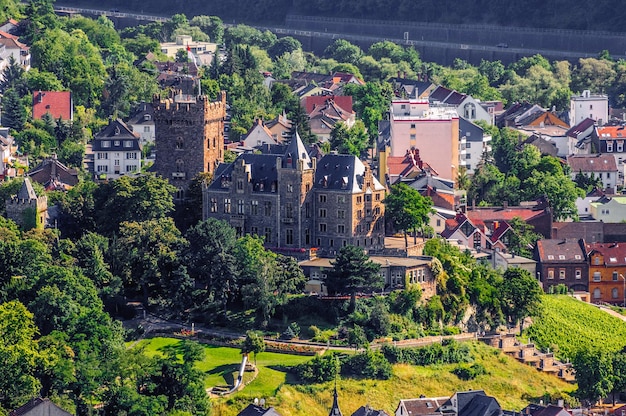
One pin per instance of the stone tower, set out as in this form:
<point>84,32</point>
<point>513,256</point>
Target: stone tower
<point>189,137</point>
<point>27,209</point>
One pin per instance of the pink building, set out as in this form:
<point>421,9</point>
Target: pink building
<point>433,130</point>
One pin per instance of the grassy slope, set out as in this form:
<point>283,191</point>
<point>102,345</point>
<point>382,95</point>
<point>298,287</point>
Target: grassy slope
<point>562,316</point>
<point>513,384</point>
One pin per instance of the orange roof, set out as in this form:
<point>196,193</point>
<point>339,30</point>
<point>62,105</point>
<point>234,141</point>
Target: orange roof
<point>344,102</point>
<point>611,132</point>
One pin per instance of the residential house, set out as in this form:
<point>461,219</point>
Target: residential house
<point>583,205</point>
<point>58,104</point>
<point>471,403</point>
<point>186,43</point>
<point>327,110</point>
<point>503,261</point>
<point>466,106</point>
<point>296,202</point>
<point>259,135</point>
<point>588,105</point>
<point>581,134</point>
<point>116,150</point>
<point>10,26</point>
<point>433,130</point>
<point>54,175</point>
<point>597,165</point>
<point>547,125</point>
<point>324,83</point>
<point>39,407</point>
<point>404,168</point>
<point>397,272</point>
<point>410,88</point>
<point>610,140</point>
<point>424,406</point>
<point>514,115</point>
<point>7,145</point>
<point>11,47</point>
<point>447,201</point>
<point>256,410</point>
<point>368,410</point>
<point>536,213</point>
<point>562,261</point>
<point>142,123</point>
<point>607,267</point>
<point>280,127</point>
<point>608,209</point>
<point>477,234</point>
<point>545,147</point>
<point>549,410</point>
<point>474,144</point>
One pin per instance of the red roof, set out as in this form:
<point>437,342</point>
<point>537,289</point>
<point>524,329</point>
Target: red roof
<point>57,103</point>
<point>344,102</point>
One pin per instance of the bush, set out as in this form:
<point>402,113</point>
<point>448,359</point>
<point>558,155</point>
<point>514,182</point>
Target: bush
<point>320,369</point>
<point>318,335</point>
<point>370,364</point>
<point>450,352</point>
<point>292,331</point>
<point>465,372</point>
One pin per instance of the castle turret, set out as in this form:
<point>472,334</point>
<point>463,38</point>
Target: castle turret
<point>189,137</point>
<point>27,209</point>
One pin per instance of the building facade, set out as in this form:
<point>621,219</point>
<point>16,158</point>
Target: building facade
<point>588,105</point>
<point>189,137</point>
<point>116,151</point>
<point>295,202</point>
<point>27,209</point>
<point>562,261</point>
<point>607,268</point>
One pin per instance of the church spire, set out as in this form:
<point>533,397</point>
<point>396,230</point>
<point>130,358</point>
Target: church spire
<point>335,410</point>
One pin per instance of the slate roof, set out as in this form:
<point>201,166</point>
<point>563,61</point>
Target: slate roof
<point>592,163</point>
<point>549,410</point>
<point>262,167</point>
<point>145,109</point>
<point>480,405</point>
<point>116,133</point>
<point>342,172</point>
<point>369,411</point>
<point>57,103</point>
<point>580,128</point>
<point>39,407</point>
<point>568,250</point>
<point>254,410</point>
<point>475,131</point>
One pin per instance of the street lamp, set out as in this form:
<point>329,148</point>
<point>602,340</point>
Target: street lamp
<point>624,289</point>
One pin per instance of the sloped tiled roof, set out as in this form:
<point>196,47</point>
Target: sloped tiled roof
<point>612,132</point>
<point>369,411</point>
<point>424,406</point>
<point>342,172</point>
<point>57,103</point>
<point>342,102</point>
<point>581,127</point>
<point>592,163</point>
<point>254,410</point>
<point>614,253</point>
<point>569,250</point>
<point>51,172</point>
<point>26,192</point>
<point>116,133</point>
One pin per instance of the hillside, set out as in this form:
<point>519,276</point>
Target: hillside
<point>562,316</point>
<point>512,383</point>
<point>557,14</point>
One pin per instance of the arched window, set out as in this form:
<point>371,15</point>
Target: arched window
<point>180,143</point>
<point>179,165</point>
<point>469,111</point>
<point>180,194</point>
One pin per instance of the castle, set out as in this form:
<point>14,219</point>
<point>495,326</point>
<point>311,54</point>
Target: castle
<point>27,209</point>
<point>189,137</point>
<point>296,202</point>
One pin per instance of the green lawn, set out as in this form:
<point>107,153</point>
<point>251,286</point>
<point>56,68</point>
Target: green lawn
<point>221,365</point>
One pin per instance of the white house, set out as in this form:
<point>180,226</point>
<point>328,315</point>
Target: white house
<point>609,209</point>
<point>259,135</point>
<point>474,144</point>
<point>601,166</point>
<point>142,123</point>
<point>587,105</point>
<point>116,151</point>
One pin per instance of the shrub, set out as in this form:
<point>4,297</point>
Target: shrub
<point>450,352</point>
<point>320,369</point>
<point>465,372</point>
<point>369,364</point>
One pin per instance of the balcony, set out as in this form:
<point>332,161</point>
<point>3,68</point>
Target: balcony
<point>178,175</point>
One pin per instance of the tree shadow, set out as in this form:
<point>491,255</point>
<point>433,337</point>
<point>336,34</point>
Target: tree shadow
<point>227,371</point>
<point>290,375</point>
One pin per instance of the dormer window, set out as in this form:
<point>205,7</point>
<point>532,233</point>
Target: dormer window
<point>128,143</point>
<point>117,131</point>
<point>116,143</point>
<point>106,143</point>
<point>147,117</point>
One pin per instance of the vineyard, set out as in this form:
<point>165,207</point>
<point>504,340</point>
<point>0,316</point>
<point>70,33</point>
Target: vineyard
<point>566,325</point>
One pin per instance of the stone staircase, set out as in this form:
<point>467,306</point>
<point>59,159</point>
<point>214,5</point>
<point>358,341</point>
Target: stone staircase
<point>530,355</point>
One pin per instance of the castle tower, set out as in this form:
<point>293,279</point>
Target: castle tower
<point>189,137</point>
<point>27,209</point>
